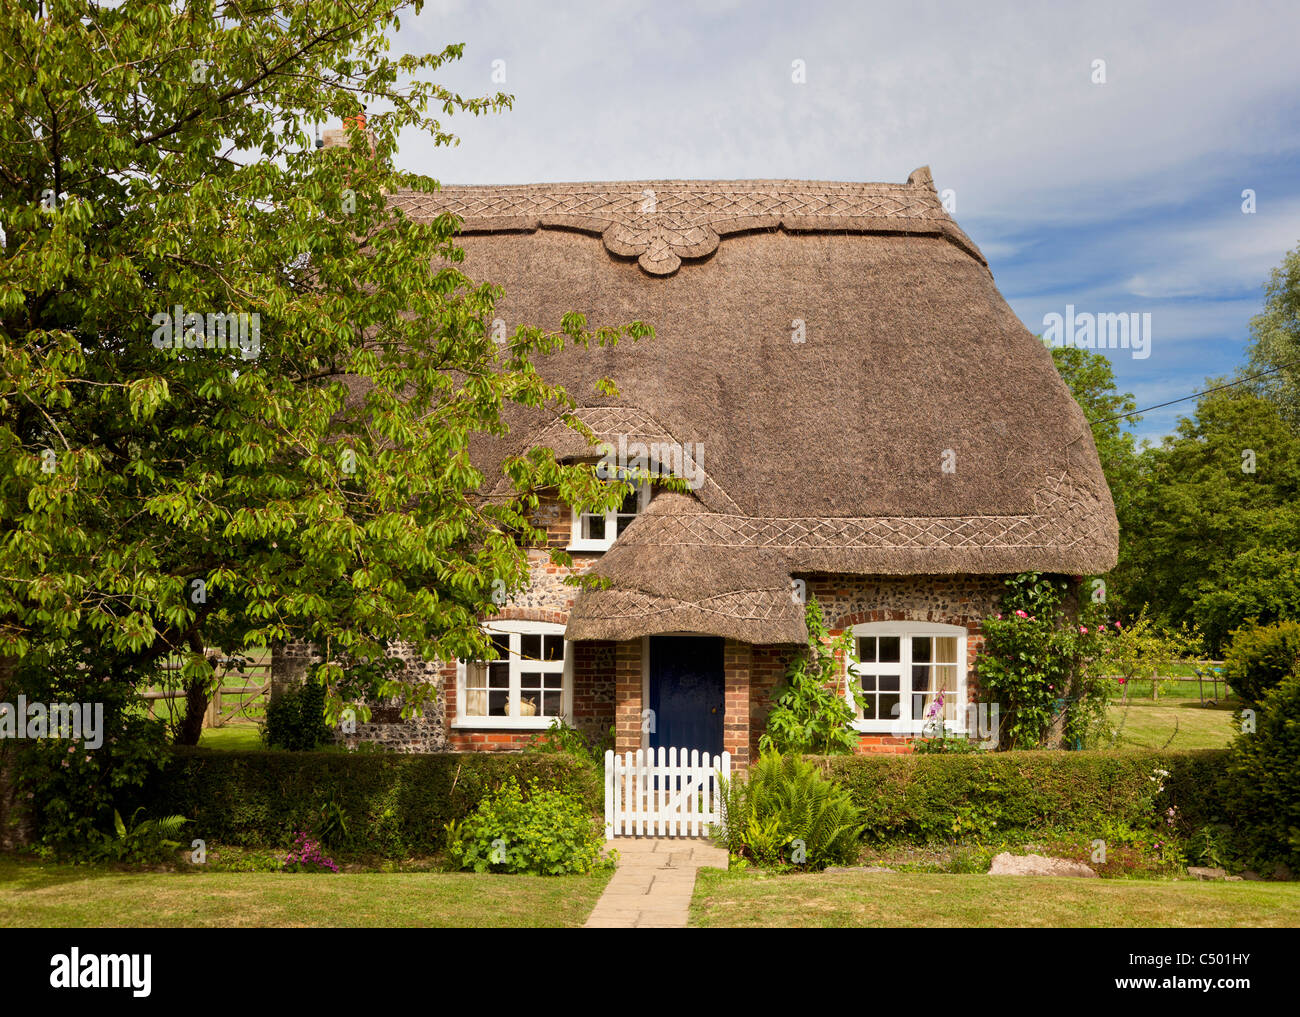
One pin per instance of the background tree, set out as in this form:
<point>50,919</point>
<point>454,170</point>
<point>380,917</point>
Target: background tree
<point>1275,342</point>
<point>1091,381</point>
<point>1217,526</point>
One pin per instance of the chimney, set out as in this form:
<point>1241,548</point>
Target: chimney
<point>337,137</point>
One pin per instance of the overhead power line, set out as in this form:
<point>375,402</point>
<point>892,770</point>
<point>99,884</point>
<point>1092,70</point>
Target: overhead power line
<point>1197,395</point>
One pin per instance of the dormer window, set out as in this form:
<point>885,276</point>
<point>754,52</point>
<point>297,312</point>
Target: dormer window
<point>597,531</point>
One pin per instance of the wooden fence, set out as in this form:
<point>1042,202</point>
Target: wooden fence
<point>245,701</point>
<point>1206,671</point>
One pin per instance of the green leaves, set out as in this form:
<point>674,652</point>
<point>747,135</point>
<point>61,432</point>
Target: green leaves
<point>809,714</point>
<point>154,165</point>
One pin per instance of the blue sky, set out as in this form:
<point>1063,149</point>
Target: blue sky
<point>1115,197</point>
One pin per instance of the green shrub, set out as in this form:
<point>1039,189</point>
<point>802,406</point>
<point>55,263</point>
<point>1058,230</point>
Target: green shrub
<point>1260,657</point>
<point>295,719</point>
<point>562,738</point>
<point>1263,803</point>
<point>787,813</point>
<point>924,798</point>
<point>545,833</point>
<point>394,805</point>
<point>808,712</point>
<point>72,792</point>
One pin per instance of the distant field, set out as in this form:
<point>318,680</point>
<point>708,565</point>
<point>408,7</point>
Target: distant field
<point>231,738</point>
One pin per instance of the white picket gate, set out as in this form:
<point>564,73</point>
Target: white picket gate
<point>663,797</point>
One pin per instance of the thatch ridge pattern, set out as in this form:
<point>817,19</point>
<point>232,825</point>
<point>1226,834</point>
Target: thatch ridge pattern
<point>665,221</point>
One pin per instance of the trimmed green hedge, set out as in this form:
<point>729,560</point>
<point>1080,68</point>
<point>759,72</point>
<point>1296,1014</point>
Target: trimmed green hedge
<point>917,798</point>
<point>395,805</point>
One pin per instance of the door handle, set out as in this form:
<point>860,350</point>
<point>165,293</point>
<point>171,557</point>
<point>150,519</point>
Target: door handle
<point>714,710</point>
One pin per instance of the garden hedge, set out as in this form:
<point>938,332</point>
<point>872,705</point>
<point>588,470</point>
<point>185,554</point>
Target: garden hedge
<point>917,798</point>
<point>395,805</point>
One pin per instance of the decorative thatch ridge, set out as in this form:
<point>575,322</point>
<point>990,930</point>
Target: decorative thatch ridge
<point>660,222</point>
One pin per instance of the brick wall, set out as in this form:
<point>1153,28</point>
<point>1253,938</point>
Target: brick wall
<point>607,676</point>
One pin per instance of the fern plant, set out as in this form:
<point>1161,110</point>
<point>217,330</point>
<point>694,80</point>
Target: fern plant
<point>149,840</point>
<point>787,813</point>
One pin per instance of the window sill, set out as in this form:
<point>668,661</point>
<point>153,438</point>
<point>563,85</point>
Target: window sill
<point>503,723</point>
<point>898,730</point>
<point>590,545</point>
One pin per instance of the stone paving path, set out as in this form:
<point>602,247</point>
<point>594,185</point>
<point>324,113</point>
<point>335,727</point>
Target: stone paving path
<point>652,886</point>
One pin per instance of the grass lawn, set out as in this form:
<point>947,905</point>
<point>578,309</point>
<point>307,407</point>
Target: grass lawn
<point>748,899</point>
<point>67,896</point>
<point>1175,723</point>
<point>231,738</point>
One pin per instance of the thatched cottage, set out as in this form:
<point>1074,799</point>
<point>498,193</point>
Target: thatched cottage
<point>862,417</point>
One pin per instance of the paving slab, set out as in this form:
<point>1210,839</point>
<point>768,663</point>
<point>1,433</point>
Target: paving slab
<point>652,886</point>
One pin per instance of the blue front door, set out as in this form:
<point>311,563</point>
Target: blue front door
<point>686,686</point>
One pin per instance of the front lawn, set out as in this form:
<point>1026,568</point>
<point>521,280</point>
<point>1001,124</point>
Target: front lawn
<point>67,896</point>
<point>1171,723</point>
<point>848,900</point>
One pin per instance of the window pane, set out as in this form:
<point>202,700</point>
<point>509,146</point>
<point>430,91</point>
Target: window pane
<point>867,682</point>
<point>946,677</point>
<point>530,681</point>
<point>888,707</point>
<point>502,643</point>
<point>889,682</point>
<point>869,707</point>
<point>921,649</point>
<point>530,646</point>
<point>593,527</point>
<point>867,649</point>
<point>945,648</point>
<point>631,503</point>
<point>498,703</point>
<point>920,677</point>
<point>476,696</point>
<point>551,704</point>
<point>554,648</point>
<point>621,524</point>
<point>889,647</point>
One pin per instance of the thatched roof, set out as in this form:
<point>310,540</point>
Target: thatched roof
<point>826,455</point>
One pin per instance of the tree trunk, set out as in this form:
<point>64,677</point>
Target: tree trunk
<point>196,702</point>
<point>196,705</point>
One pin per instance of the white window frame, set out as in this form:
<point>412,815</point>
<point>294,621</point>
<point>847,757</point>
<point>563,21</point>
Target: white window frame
<point>515,722</point>
<point>578,543</point>
<point>905,630</point>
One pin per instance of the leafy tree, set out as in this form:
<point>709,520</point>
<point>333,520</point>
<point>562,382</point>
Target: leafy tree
<point>1217,525</point>
<point>1276,339</point>
<point>314,483</point>
<point>1091,381</point>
